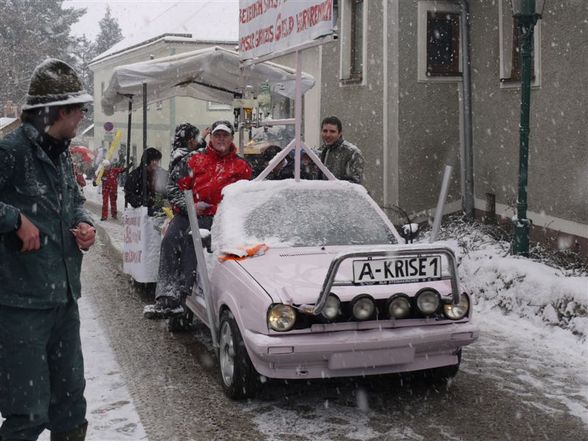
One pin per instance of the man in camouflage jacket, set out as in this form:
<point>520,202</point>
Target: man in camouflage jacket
<point>342,158</point>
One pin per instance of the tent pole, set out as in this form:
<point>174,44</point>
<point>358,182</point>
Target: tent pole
<point>144,165</point>
<point>129,119</point>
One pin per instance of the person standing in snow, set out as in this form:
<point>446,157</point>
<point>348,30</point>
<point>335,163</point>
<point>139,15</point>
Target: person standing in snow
<point>209,172</point>
<point>342,158</point>
<point>43,229</point>
<point>150,175</point>
<point>109,188</point>
<point>177,259</point>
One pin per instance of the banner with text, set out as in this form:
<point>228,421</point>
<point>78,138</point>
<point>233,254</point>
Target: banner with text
<point>142,242</point>
<point>268,26</point>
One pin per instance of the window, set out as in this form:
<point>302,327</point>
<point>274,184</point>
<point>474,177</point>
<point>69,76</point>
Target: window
<point>217,106</point>
<point>442,44</point>
<point>510,35</point>
<point>353,41</point>
<point>439,40</point>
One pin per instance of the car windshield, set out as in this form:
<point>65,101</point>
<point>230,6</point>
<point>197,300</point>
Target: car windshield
<point>307,213</point>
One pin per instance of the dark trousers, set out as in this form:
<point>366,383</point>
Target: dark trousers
<point>177,258</point>
<point>41,371</point>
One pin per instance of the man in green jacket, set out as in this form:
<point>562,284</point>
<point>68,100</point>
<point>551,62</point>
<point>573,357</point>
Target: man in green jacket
<point>342,158</point>
<point>43,230</point>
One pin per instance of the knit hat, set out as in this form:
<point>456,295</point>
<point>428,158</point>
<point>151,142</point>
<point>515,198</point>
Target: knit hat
<point>105,163</point>
<point>55,83</point>
<point>184,132</point>
<point>269,152</point>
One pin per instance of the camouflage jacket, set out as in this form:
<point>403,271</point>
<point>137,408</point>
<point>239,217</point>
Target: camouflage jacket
<point>344,160</point>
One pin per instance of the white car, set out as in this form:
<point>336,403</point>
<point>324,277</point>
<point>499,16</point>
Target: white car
<point>310,279</point>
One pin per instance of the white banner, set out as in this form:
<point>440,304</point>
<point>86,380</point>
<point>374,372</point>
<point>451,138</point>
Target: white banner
<point>267,26</point>
<point>141,245</point>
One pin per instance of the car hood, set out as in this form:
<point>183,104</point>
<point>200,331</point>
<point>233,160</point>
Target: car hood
<point>296,275</point>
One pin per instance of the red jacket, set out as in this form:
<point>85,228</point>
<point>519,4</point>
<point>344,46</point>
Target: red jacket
<point>210,173</point>
<point>109,177</point>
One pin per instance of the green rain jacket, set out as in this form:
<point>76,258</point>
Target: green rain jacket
<point>47,194</point>
<point>344,160</point>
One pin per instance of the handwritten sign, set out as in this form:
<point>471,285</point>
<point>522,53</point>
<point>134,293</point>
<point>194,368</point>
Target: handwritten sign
<point>267,26</point>
<point>141,244</point>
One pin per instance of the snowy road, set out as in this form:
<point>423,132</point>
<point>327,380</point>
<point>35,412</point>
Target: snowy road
<point>513,385</point>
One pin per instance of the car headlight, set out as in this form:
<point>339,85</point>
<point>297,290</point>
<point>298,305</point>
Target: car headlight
<point>363,307</point>
<point>332,307</point>
<point>281,317</point>
<point>399,306</point>
<point>428,301</point>
<point>459,311</point>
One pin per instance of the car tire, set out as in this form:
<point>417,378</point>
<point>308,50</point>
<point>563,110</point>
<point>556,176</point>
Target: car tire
<point>237,374</point>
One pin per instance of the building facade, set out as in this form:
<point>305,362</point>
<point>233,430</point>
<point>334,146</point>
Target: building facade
<point>395,76</point>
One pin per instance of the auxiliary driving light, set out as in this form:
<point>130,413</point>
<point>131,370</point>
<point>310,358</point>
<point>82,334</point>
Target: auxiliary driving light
<point>332,307</point>
<point>281,317</point>
<point>459,311</point>
<point>399,306</point>
<point>363,307</point>
<point>428,301</point>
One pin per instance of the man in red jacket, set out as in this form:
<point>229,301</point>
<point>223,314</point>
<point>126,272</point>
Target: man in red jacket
<point>217,167</point>
<point>209,172</point>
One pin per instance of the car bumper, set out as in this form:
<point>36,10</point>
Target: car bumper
<point>351,353</point>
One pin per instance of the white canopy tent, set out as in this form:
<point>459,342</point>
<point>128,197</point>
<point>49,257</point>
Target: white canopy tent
<point>211,74</point>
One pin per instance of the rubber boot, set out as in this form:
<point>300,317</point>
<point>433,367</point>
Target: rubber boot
<point>77,434</point>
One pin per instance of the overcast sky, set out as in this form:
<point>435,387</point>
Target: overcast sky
<point>132,16</point>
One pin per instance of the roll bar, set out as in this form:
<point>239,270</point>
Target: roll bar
<point>329,281</point>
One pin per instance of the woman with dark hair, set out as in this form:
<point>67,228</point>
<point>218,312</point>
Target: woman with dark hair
<point>148,175</point>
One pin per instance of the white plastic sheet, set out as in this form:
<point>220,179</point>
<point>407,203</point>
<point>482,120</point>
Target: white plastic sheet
<point>211,74</point>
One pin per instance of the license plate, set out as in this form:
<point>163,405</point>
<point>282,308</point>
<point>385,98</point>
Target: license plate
<point>397,270</point>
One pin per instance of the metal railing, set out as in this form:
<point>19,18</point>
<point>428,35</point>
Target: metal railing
<point>329,281</point>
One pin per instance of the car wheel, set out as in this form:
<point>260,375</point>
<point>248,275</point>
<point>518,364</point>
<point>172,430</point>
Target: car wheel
<point>238,376</point>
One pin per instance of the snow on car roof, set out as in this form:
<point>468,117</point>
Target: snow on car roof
<point>289,209</point>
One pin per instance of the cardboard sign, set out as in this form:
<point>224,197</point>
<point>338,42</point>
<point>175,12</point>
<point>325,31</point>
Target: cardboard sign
<point>141,245</point>
<point>268,26</point>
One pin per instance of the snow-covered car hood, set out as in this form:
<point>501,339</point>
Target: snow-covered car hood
<point>296,275</point>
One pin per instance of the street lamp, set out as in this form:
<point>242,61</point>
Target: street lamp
<point>527,12</point>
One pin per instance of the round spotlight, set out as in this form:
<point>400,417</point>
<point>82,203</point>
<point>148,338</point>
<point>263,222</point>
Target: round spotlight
<point>459,311</point>
<point>332,307</point>
<point>363,307</point>
<point>281,317</point>
<point>399,306</point>
<point>428,301</point>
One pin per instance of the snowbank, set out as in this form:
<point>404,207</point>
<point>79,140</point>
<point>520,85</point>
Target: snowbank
<point>543,294</point>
